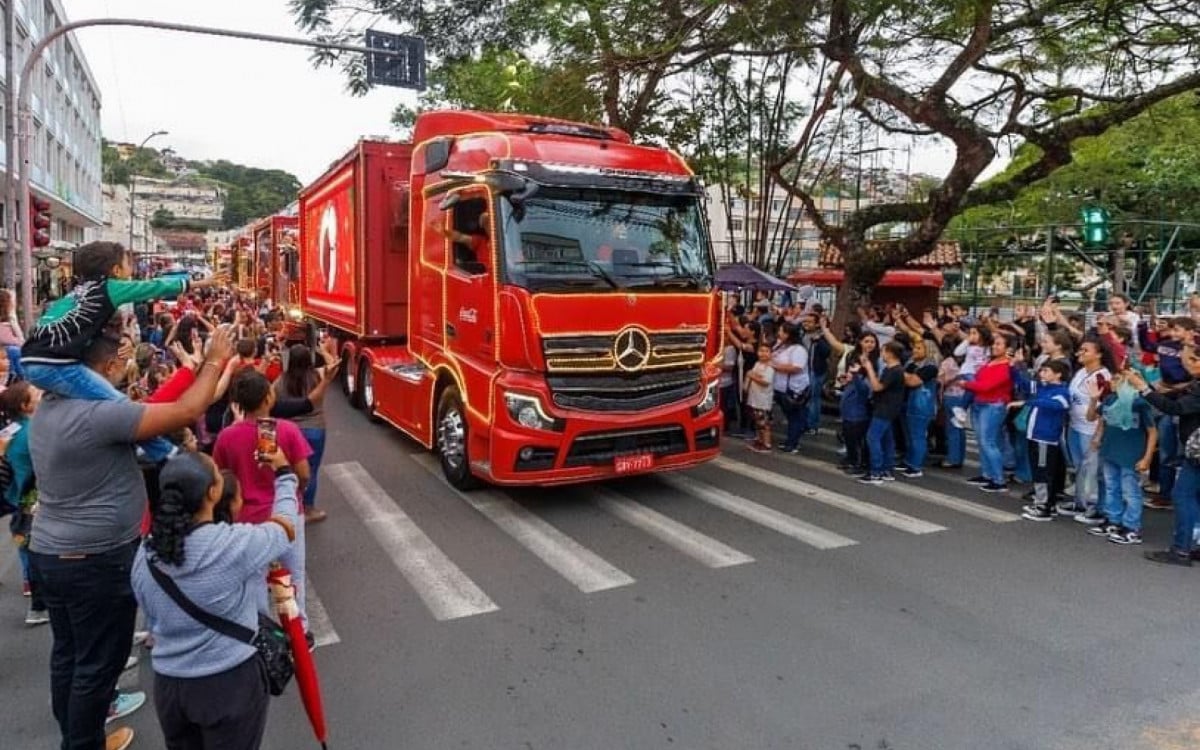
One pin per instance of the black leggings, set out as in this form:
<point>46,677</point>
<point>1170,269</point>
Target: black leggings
<point>224,711</point>
<point>855,436</point>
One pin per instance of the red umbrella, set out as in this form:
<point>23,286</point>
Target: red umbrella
<point>282,591</point>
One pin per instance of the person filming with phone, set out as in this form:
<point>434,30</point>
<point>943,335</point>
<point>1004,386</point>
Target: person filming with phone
<point>240,447</point>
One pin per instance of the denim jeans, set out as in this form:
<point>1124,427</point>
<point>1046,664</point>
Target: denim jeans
<point>989,429</point>
<point>814,401</point>
<point>881,446</point>
<point>1087,468</point>
<point>1187,487</point>
<point>92,613</point>
<point>1122,496</point>
<point>1168,450</point>
<point>1016,448</point>
<point>916,427</point>
<point>956,438</point>
<point>82,382</point>
<point>796,421</point>
<point>316,440</point>
<point>730,408</point>
<point>14,361</point>
<point>854,434</point>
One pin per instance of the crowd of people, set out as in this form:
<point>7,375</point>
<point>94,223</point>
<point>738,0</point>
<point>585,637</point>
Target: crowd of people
<point>1096,416</point>
<point>176,413</point>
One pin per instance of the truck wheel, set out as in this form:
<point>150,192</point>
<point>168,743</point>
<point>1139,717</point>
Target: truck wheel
<point>452,440</point>
<point>367,381</point>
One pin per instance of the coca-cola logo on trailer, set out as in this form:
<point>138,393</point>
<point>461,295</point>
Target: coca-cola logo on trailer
<point>328,243</point>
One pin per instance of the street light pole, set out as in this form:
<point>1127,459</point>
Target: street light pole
<point>133,181</point>
<point>24,115</point>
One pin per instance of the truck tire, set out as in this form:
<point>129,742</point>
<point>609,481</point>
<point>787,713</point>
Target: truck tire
<point>452,437</point>
<point>366,380</point>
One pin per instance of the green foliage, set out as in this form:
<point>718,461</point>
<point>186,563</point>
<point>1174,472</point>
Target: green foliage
<point>1145,169</point>
<point>250,192</point>
<point>162,219</point>
<point>117,171</point>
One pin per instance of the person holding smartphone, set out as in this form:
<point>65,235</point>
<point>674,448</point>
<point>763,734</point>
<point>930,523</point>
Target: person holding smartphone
<point>238,449</point>
<point>1095,373</point>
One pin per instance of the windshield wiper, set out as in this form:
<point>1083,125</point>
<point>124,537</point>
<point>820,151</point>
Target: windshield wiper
<point>680,274</point>
<point>591,265</point>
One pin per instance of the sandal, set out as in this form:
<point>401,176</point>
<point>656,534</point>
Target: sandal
<point>315,515</point>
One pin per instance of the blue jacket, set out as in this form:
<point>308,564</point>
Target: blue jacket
<point>1048,412</point>
<point>856,400</point>
<point>22,465</point>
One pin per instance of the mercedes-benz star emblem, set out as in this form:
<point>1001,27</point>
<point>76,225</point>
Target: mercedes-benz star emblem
<point>631,349</point>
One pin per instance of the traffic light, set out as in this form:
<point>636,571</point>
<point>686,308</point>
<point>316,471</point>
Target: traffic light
<point>1095,225</point>
<point>39,221</point>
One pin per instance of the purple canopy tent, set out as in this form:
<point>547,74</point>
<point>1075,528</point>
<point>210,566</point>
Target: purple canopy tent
<point>743,276</point>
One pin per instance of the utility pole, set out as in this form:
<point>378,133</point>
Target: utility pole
<point>133,186</point>
<point>10,152</point>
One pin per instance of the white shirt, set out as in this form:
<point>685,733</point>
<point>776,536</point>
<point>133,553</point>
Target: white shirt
<point>761,397</point>
<point>1080,398</point>
<point>794,355</point>
<point>730,363</point>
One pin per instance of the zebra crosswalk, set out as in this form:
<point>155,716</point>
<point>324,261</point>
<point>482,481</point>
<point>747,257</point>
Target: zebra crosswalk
<point>649,506</point>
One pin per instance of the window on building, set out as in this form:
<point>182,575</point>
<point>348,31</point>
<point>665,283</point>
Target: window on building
<point>735,225</point>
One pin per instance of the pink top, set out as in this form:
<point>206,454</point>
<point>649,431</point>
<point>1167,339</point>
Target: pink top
<point>10,335</point>
<point>234,450</point>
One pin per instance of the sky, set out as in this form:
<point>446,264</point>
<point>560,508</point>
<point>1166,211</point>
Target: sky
<point>255,103</point>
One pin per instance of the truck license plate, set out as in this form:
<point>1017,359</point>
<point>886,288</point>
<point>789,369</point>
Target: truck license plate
<point>638,462</point>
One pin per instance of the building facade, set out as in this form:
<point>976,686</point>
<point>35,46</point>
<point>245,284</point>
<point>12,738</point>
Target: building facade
<point>194,202</point>
<point>65,154</point>
<point>734,219</point>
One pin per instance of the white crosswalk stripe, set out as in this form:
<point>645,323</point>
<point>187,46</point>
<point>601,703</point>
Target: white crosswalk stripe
<point>318,617</point>
<point>585,569</point>
<point>808,491</point>
<point>807,533</point>
<point>442,586</point>
<point>700,547</point>
<point>920,493</point>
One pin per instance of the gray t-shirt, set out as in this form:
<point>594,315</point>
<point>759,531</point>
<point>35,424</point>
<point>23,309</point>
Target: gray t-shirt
<point>91,495</point>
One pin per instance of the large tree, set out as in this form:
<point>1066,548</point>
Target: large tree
<point>971,76</point>
<point>976,74</point>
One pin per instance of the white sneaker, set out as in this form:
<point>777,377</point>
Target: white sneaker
<point>37,617</point>
<point>959,417</point>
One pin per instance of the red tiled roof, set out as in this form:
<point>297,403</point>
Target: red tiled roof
<point>945,254</point>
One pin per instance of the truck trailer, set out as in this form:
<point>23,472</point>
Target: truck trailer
<point>531,299</point>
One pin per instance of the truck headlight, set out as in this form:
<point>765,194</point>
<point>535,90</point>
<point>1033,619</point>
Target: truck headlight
<point>711,399</point>
<point>527,411</point>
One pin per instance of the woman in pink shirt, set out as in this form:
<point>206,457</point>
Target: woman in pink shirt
<point>236,450</point>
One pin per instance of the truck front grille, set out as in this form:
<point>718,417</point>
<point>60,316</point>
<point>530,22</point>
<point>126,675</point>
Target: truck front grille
<point>596,448</point>
<point>596,353</point>
<point>623,392</point>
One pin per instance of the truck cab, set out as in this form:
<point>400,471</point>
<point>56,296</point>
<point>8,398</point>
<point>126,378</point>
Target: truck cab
<point>559,318</point>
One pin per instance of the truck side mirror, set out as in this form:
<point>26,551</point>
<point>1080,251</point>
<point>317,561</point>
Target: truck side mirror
<point>449,202</point>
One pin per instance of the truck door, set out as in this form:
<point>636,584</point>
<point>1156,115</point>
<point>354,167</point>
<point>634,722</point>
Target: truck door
<point>471,280</point>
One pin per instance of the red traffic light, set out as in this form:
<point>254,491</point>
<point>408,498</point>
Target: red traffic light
<point>39,221</point>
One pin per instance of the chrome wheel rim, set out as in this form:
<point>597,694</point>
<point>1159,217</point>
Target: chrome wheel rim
<point>452,438</point>
<point>369,388</point>
<point>350,380</point>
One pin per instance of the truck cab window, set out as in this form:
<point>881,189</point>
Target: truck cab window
<point>470,236</point>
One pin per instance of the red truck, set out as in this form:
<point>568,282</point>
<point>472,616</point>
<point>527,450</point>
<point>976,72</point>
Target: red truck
<point>530,298</point>
<point>276,252</point>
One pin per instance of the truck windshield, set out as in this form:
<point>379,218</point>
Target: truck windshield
<point>566,238</point>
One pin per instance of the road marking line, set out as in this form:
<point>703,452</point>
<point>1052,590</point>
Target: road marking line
<point>318,617</point>
<point>739,506</point>
<point>871,512</point>
<point>700,547</point>
<point>585,569</point>
<point>446,590</point>
<point>920,493</point>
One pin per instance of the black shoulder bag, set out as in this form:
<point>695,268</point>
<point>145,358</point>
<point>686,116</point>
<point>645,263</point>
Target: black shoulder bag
<point>270,642</point>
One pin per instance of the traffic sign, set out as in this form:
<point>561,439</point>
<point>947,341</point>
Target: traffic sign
<point>402,67</point>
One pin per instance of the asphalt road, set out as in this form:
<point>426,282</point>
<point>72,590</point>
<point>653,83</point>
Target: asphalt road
<point>757,603</point>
